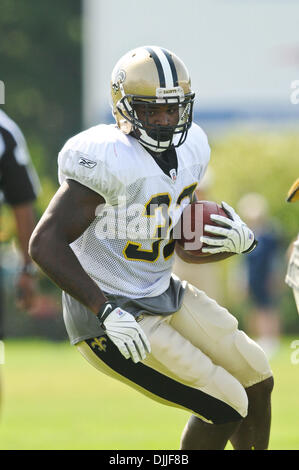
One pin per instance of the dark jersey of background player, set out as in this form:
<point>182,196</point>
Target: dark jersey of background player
<point>19,186</point>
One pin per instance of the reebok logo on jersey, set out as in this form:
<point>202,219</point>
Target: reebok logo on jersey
<point>87,163</point>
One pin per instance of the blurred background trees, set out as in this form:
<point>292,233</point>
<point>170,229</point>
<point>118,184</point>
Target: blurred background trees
<point>40,65</point>
<point>40,57</point>
<point>267,163</point>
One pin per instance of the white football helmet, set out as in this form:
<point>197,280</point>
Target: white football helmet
<point>151,75</point>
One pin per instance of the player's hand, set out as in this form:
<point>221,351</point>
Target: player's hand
<point>123,330</point>
<point>234,235</point>
<point>25,291</point>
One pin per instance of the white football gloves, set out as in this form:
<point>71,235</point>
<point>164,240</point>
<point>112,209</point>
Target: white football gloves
<point>234,235</point>
<point>123,330</point>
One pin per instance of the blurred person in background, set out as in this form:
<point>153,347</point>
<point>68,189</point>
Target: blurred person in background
<point>292,277</point>
<point>19,187</point>
<point>262,276</point>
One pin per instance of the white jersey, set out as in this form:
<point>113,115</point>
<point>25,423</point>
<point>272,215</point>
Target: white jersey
<point>128,248</point>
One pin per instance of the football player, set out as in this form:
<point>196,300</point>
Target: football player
<point>292,277</point>
<point>106,240</point>
<point>19,187</point>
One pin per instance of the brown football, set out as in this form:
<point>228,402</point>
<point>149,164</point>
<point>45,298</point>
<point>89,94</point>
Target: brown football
<point>194,217</point>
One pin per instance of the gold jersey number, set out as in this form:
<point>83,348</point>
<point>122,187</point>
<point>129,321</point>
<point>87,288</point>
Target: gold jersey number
<point>134,250</point>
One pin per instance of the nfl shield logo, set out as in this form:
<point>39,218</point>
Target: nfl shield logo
<point>173,174</point>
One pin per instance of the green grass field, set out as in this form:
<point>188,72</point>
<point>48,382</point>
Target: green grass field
<point>53,399</point>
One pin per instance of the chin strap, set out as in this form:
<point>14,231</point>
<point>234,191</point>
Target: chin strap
<point>151,144</point>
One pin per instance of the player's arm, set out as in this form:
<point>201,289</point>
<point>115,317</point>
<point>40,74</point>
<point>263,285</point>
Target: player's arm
<point>26,281</point>
<point>25,223</point>
<point>68,215</point>
<point>188,257</point>
<point>184,255</point>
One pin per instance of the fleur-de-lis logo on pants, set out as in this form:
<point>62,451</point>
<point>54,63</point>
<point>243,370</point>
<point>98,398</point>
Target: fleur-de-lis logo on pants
<point>99,343</point>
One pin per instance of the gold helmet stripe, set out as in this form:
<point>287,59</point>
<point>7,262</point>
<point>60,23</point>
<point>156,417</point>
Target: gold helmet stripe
<point>165,67</point>
<point>173,68</point>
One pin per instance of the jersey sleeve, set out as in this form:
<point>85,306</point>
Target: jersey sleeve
<point>88,163</point>
<point>19,182</point>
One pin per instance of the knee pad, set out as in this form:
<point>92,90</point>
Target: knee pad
<point>223,386</point>
<point>253,354</point>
